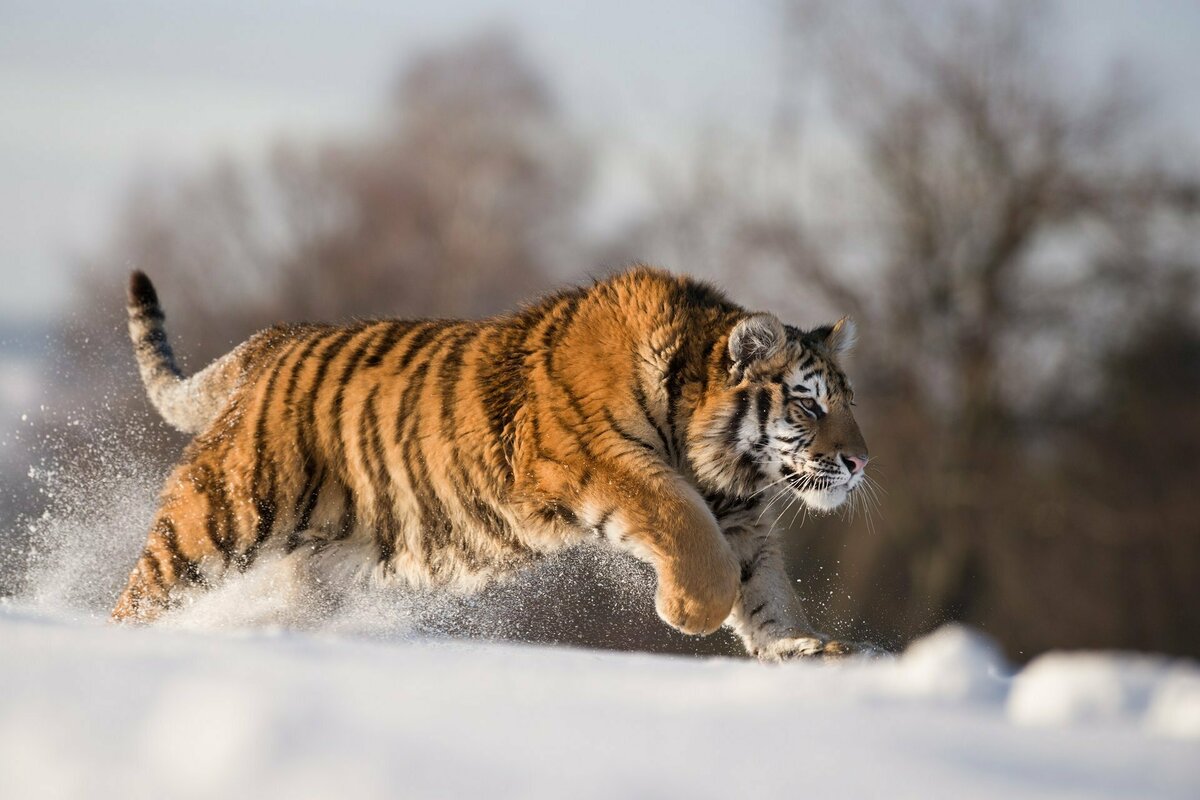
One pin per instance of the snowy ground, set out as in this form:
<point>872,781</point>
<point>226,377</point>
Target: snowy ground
<point>90,710</point>
<point>253,691</point>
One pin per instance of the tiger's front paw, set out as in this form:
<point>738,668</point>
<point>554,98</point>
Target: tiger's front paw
<point>696,601</point>
<point>814,646</point>
<point>834,650</point>
<point>791,648</point>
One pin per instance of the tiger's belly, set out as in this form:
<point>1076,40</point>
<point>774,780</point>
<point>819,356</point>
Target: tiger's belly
<point>462,543</point>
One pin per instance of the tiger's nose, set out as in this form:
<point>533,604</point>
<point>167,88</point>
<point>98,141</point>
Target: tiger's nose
<point>854,463</point>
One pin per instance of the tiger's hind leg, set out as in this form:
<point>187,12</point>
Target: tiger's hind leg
<point>190,543</point>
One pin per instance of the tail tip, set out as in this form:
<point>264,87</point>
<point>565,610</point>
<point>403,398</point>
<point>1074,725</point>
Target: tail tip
<point>141,291</point>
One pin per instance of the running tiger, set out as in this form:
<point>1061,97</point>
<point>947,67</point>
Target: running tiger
<point>646,411</point>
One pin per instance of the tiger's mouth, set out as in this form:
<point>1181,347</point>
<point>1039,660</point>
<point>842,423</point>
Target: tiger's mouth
<point>822,493</point>
<point>825,500</point>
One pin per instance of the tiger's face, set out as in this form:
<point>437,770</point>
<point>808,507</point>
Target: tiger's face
<point>812,443</point>
<point>784,421</point>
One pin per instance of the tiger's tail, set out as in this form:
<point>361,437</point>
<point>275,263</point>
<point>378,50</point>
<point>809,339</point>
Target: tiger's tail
<point>188,404</point>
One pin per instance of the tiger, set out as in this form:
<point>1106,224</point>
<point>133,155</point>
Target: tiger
<point>644,412</point>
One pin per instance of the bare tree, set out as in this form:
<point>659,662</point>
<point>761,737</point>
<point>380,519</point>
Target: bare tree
<point>459,203</point>
<point>1007,206</point>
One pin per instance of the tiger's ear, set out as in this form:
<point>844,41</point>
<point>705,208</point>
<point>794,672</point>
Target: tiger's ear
<point>836,339</point>
<point>754,338</point>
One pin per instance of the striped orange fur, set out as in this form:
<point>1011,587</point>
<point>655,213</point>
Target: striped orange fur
<point>645,411</point>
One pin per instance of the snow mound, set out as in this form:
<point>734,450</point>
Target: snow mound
<point>954,663</point>
<point>1103,688</point>
<point>1175,709</point>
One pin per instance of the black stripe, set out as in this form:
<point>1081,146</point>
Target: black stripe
<point>167,533</point>
<point>349,521</point>
<point>721,504</point>
<point>306,498</point>
<point>564,311</point>
<point>626,435</point>
<point>734,426</point>
<point>489,517</point>
<point>706,363</point>
<point>555,332</point>
<point>306,503</point>
<point>674,380</point>
<point>369,444</point>
<point>503,384</point>
<point>470,497</point>
<point>386,535</point>
<point>184,568</point>
<point>150,559</point>
<point>578,432</point>
<point>331,351</point>
<point>369,337</point>
<point>213,488</point>
<point>228,523</point>
<point>603,522</point>
<point>289,393</point>
<point>449,375</point>
<point>308,436</point>
<point>434,519</point>
<point>639,396</point>
<point>556,511</point>
<point>417,342</point>
<point>264,502</point>
<point>396,331</point>
<point>410,400</point>
<point>749,465</point>
<point>763,406</point>
<point>749,568</point>
<point>407,429</point>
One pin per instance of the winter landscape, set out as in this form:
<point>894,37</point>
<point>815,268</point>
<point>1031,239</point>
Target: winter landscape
<point>1004,196</point>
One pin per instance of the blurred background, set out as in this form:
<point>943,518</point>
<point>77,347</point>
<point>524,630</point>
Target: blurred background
<point>1005,194</point>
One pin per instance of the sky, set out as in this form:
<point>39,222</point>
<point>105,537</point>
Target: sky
<point>93,93</point>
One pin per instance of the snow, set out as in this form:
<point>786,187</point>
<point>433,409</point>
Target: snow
<point>95,710</point>
<point>1066,688</point>
<point>258,690</point>
<point>1175,709</point>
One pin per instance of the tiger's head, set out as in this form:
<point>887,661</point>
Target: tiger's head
<point>783,415</point>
